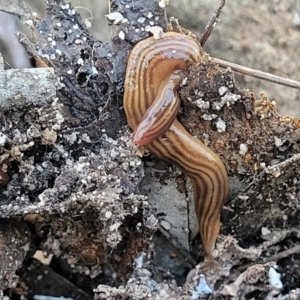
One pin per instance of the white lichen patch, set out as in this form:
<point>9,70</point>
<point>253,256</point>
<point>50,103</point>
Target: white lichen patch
<point>88,23</point>
<point>85,138</point>
<point>49,137</point>
<point>94,70</point>
<point>163,3</point>
<point>200,93</point>
<point>222,90</point>
<point>3,139</point>
<point>72,137</point>
<point>141,20</point>
<point>65,6</point>
<point>149,15</point>
<point>108,214</point>
<point>203,105</point>
<point>157,31</point>
<point>121,35</point>
<point>265,231</point>
<point>243,149</point>
<point>18,137</point>
<point>183,83</point>
<point>221,125</point>
<point>33,132</point>
<point>227,99</point>
<point>274,279</point>
<point>278,141</point>
<point>115,18</point>
<point>209,117</point>
<point>80,61</point>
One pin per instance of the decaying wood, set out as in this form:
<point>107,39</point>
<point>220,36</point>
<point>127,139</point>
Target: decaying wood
<point>25,88</point>
<point>74,171</point>
<point>14,245</point>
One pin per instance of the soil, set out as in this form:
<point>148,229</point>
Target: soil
<point>262,35</point>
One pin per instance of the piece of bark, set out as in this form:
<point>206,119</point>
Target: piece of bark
<point>14,245</point>
<point>92,72</point>
<point>22,89</point>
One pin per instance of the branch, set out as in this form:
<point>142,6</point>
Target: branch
<point>258,74</point>
<point>26,87</point>
<point>211,24</point>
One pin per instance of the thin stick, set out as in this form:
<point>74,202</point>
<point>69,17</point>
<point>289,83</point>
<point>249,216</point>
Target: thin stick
<point>211,24</point>
<point>275,257</point>
<point>283,254</point>
<point>258,74</point>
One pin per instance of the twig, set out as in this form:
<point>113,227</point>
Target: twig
<point>15,92</point>
<point>274,257</point>
<point>282,254</point>
<point>257,74</point>
<point>211,24</point>
<point>75,91</point>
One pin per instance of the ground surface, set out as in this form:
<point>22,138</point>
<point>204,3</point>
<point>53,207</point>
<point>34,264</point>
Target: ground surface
<point>258,34</point>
